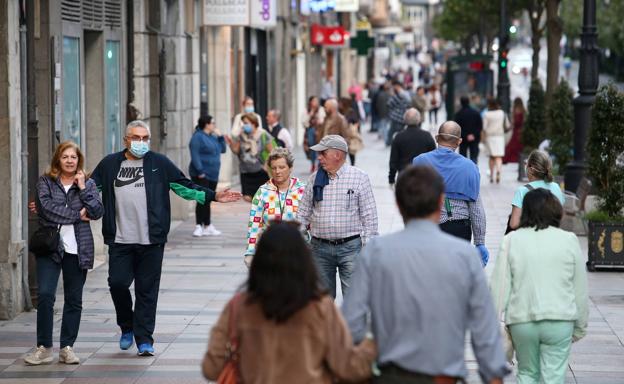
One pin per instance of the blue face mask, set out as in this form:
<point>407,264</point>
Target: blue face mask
<point>247,128</point>
<point>249,109</point>
<point>139,148</point>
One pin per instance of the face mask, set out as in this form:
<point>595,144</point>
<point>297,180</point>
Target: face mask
<point>139,148</point>
<point>249,109</point>
<point>247,128</point>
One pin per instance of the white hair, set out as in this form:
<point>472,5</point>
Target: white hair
<point>138,123</point>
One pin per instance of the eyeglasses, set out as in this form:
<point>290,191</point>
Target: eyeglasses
<point>144,139</point>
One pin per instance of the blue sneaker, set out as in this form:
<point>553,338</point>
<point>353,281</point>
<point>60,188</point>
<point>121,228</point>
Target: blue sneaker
<point>126,340</point>
<point>145,350</point>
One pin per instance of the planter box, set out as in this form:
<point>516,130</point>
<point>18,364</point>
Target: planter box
<point>605,245</point>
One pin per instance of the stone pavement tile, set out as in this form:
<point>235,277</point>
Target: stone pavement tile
<point>136,361</point>
<point>100,380</point>
<point>171,380</point>
<point>31,381</point>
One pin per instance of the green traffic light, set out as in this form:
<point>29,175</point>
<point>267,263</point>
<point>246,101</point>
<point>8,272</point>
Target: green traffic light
<point>503,64</point>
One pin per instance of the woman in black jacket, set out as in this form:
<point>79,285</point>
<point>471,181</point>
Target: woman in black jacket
<point>66,200</point>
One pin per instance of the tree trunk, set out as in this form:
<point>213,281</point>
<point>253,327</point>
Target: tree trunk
<point>535,11</point>
<point>554,26</point>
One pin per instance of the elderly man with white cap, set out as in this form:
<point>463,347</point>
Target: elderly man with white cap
<point>338,208</point>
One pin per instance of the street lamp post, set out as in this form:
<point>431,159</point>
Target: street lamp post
<point>587,83</point>
<point>503,49</point>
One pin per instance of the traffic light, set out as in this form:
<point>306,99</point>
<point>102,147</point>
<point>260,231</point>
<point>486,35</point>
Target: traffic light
<point>502,60</point>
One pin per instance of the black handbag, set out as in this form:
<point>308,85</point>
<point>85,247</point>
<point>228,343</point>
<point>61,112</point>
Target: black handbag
<point>45,241</point>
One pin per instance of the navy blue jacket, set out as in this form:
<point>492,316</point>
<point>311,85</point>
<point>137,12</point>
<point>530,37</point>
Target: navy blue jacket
<point>160,175</point>
<point>206,153</point>
<point>55,207</point>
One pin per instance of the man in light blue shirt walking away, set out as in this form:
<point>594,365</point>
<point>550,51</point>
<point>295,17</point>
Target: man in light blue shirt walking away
<point>423,290</point>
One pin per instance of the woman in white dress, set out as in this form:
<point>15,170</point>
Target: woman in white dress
<point>495,123</point>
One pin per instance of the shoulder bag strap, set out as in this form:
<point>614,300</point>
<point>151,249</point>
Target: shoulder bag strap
<point>528,186</point>
<point>234,306</point>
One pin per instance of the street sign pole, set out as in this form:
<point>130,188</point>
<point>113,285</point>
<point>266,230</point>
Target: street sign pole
<point>503,76</point>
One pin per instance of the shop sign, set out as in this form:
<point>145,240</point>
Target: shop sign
<point>332,36</point>
<point>347,5</point>
<point>252,13</point>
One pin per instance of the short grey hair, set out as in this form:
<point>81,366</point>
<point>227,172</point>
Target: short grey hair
<point>281,153</point>
<point>276,113</point>
<point>138,123</point>
<point>412,117</point>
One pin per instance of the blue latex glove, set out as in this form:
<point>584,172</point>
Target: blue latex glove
<point>485,254</point>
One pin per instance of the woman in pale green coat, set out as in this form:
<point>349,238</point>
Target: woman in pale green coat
<point>540,283</point>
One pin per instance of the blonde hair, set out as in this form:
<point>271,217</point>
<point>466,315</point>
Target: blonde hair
<point>540,165</point>
<point>55,165</point>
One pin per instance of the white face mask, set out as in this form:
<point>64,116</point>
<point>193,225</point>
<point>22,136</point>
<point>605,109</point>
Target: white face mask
<point>139,148</point>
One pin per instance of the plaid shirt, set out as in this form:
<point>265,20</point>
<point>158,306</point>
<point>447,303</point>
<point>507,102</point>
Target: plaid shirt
<point>397,105</point>
<point>348,207</point>
<point>472,210</point>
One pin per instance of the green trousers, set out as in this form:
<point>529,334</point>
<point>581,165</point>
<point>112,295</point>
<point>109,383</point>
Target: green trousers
<point>542,349</point>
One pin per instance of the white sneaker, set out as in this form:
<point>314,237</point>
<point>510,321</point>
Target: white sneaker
<point>211,231</point>
<point>68,356</point>
<point>199,231</point>
<point>42,355</point>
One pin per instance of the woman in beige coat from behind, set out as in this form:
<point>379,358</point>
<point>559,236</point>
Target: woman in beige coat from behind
<point>289,330</point>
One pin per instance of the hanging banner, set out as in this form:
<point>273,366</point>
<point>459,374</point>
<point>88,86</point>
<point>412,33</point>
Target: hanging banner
<point>251,13</point>
<point>262,13</point>
<point>332,36</point>
<point>347,6</point>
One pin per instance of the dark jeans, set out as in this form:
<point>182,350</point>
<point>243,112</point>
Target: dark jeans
<point>393,374</point>
<point>143,264</point>
<point>433,115</point>
<point>328,257</point>
<point>352,158</point>
<point>394,129</point>
<point>458,228</point>
<point>473,147</point>
<point>202,211</point>
<point>73,280</point>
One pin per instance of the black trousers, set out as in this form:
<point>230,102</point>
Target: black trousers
<point>202,211</point>
<point>473,147</point>
<point>458,228</point>
<point>143,265</point>
<point>48,272</point>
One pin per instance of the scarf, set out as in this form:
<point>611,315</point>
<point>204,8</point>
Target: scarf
<point>461,176</point>
<point>321,180</point>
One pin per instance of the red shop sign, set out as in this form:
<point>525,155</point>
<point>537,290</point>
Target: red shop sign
<point>322,35</point>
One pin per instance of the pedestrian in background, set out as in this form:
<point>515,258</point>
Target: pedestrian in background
<point>540,284</point>
<point>398,103</point>
<point>434,101</point>
<point>419,101</point>
<point>312,121</point>
<point>66,200</point>
<point>514,147</point>
<point>252,147</point>
<point>495,123</point>
<point>423,290</point>
<point>206,146</point>
<point>471,124</point>
<point>276,200</point>
<point>408,144</point>
<point>463,214</point>
<point>288,328</point>
<point>382,110</point>
<point>247,106</point>
<point>275,128</point>
<point>348,108</point>
<point>539,172</point>
<point>135,185</point>
<point>339,209</point>
<point>335,123</point>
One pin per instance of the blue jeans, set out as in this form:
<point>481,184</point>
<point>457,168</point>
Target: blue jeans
<point>143,265</point>
<point>48,272</point>
<point>328,257</point>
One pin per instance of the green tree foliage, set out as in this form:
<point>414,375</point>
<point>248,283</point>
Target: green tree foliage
<point>470,23</point>
<point>608,18</point>
<point>560,114</point>
<point>535,125</point>
<point>605,149</point>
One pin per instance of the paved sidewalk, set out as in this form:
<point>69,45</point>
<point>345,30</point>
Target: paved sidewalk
<point>201,274</point>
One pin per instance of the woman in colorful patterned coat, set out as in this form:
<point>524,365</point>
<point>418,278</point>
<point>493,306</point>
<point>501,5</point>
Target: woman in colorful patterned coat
<point>277,199</point>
